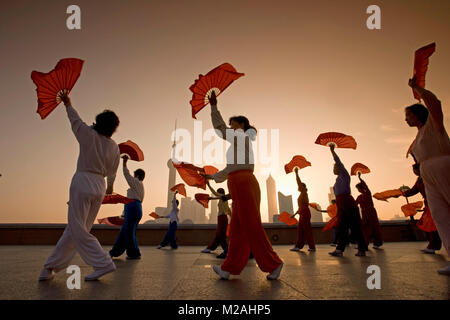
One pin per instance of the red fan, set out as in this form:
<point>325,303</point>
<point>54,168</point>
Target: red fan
<point>383,196</point>
<point>180,188</point>
<point>359,167</point>
<point>202,198</point>
<point>340,140</point>
<point>286,218</point>
<point>426,222</point>
<point>50,85</point>
<point>410,209</point>
<point>210,170</point>
<point>217,80</point>
<point>115,199</point>
<point>154,215</point>
<point>330,224</point>
<point>190,174</point>
<point>314,205</point>
<point>332,210</point>
<point>112,221</point>
<point>297,161</point>
<point>132,150</point>
<point>421,65</point>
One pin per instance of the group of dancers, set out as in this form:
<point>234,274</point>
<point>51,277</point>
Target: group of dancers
<point>99,158</point>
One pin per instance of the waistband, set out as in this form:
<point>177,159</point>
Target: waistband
<point>246,171</point>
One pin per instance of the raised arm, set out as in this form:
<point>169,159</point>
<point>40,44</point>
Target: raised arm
<point>216,117</point>
<point>212,190</point>
<point>342,170</point>
<point>80,129</point>
<point>132,181</point>
<point>431,101</point>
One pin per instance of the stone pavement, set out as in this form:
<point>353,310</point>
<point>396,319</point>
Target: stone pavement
<point>186,273</point>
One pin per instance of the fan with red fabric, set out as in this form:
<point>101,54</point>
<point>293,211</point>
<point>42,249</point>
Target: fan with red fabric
<point>285,217</point>
<point>410,209</point>
<point>330,224</point>
<point>359,167</point>
<point>190,174</point>
<point>340,140</point>
<point>50,85</point>
<point>332,210</point>
<point>115,199</point>
<point>217,80</point>
<point>112,221</point>
<point>426,222</point>
<point>203,199</point>
<point>314,205</point>
<point>210,170</point>
<point>154,215</point>
<point>296,162</point>
<point>132,150</point>
<point>421,60</point>
<point>180,188</point>
<point>383,196</point>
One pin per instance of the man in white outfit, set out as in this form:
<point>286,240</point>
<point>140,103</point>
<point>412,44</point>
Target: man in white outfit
<point>99,158</point>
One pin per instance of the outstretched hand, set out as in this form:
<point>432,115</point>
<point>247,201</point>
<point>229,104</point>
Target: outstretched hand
<point>332,147</point>
<point>206,176</point>
<point>412,82</point>
<point>212,98</point>
<point>64,96</point>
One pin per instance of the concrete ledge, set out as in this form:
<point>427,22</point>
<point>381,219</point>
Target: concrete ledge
<point>198,234</point>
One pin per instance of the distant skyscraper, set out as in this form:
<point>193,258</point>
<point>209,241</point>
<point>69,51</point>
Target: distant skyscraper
<point>285,203</point>
<point>271,197</point>
<point>190,209</point>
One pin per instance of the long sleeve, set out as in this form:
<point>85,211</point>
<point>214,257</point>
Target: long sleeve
<point>217,121</point>
<point>342,185</point>
<point>413,191</point>
<point>342,170</point>
<point>433,104</point>
<point>133,182</point>
<point>213,191</point>
<point>80,129</point>
<point>112,176</point>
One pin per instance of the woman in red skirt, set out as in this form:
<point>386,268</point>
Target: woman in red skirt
<point>370,224</point>
<point>246,231</point>
<point>304,229</point>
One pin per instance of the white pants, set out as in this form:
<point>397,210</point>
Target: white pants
<point>86,194</point>
<point>435,173</point>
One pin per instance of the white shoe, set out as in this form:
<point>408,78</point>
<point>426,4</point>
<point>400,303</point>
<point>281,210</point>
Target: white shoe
<point>223,274</point>
<point>276,273</point>
<point>376,247</point>
<point>445,270</point>
<point>206,250</point>
<point>158,247</point>
<point>100,272</point>
<point>46,274</point>
<point>429,251</point>
<point>333,245</point>
<point>311,249</point>
<point>295,249</point>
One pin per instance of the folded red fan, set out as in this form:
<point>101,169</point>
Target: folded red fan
<point>421,60</point>
<point>330,224</point>
<point>340,140</point>
<point>190,174</point>
<point>180,188</point>
<point>203,199</point>
<point>383,196</point>
<point>426,222</point>
<point>115,199</point>
<point>359,167</point>
<point>154,215</point>
<point>210,170</point>
<point>112,221</point>
<point>132,150</point>
<point>332,210</point>
<point>285,217</point>
<point>50,85</point>
<point>410,209</point>
<point>217,80</point>
<point>297,161</point>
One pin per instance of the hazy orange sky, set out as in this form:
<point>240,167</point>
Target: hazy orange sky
<point>310,67</point>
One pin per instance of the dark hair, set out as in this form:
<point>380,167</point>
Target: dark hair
<point>140,174</point>
<point>106,123</point>
<point>242,120</point>
<point>419,111</point>
<point>221,190</point>
<point>359,186</point>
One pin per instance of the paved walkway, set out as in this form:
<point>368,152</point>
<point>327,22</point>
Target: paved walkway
<point>186,273</point>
